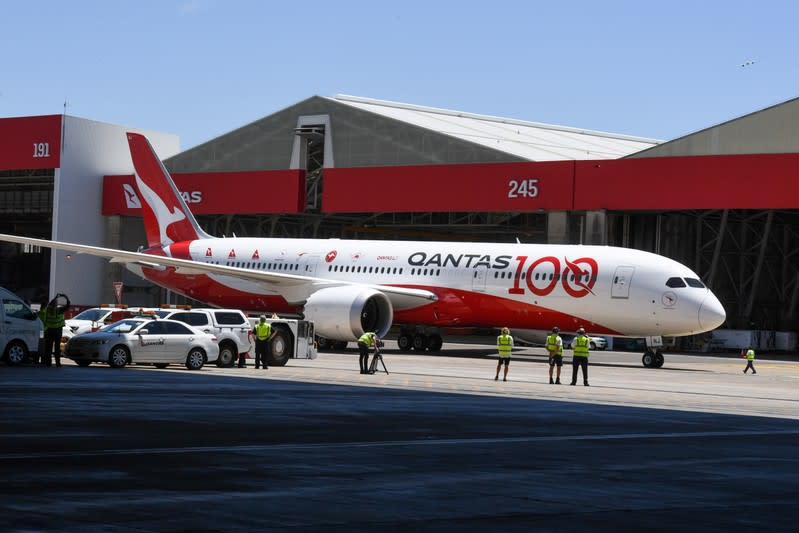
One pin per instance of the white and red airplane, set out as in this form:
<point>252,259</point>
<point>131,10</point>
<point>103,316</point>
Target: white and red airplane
<point>350,286</point>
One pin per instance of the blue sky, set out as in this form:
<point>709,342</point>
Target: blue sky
<point>201,68</point>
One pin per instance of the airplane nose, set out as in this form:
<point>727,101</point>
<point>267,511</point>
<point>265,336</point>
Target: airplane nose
<point>711,313</point>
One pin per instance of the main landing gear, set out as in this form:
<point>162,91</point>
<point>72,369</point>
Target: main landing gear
<point>652,358</point>
<point>419,340</point>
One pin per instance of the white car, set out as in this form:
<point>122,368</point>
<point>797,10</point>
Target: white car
<point>90,320</point>
<point>594,343</point>
<point>144,341</point>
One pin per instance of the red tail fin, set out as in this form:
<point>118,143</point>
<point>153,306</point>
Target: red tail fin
<point>167,219</point>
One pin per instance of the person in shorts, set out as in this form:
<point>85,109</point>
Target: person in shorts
<point>555,349</point>
<point>504,348</point>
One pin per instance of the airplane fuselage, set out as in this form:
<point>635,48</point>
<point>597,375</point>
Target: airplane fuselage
<point>607,290</point>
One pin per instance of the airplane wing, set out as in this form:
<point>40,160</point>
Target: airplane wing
<point>294,288</point>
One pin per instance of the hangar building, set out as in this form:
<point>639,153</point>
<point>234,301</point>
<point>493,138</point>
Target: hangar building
<point>720,200</point>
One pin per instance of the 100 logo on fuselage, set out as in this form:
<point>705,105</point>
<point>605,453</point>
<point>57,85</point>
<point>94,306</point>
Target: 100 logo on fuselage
<point>577,277</point>
<point>576,281</point>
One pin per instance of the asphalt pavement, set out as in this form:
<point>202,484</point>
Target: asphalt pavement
<point>432,444</point>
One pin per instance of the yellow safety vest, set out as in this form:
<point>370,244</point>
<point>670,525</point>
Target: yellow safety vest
<point>367,338</point>
<point>51,318</point>
<point>552,344</point>
<point>750,355</point>
<point>581,346</point>
<point>505,345</point>
<point>263,330</point>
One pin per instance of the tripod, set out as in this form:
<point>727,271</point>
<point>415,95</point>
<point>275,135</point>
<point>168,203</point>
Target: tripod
<point>375,358</point>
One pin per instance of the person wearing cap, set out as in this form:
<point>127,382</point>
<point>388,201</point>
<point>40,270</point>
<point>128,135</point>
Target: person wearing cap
<point>365,341</point>
<point>504,348</point>
<point>580,357</point>
<point>262,333</point>
<point>555,349</point>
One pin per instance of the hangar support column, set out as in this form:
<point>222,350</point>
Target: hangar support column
<point>558,227</point>
<point>112,271</point>
<point>594,230</point>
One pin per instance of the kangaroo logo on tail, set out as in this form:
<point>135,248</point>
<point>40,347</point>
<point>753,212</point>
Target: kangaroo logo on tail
<point>167,219</point>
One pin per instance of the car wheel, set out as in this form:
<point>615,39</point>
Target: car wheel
<point>196,359</point>
<point>16,352</point>
<point>118,357</point>
<point>227,355</point>
<point>592,345</point>
<point>281,348</point>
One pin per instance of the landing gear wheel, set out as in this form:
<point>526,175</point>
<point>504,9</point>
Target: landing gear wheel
<point>435,342</point>
<point>648,359</point>
<point>658,359</point>
<point>419,342</point>
<point>405,342</point>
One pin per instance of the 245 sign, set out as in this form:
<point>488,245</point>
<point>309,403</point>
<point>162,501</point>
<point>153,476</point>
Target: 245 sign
<point>523,188</point>
<point>577,277</point>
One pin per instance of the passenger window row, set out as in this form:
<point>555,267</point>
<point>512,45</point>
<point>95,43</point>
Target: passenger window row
<point>543,276</point>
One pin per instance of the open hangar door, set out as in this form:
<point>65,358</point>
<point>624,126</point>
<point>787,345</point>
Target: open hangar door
<point>26,207</point>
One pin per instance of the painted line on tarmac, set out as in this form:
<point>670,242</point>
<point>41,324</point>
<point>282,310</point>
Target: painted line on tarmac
<point>391,443</point>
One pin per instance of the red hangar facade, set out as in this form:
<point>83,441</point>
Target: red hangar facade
<point>722,200</point>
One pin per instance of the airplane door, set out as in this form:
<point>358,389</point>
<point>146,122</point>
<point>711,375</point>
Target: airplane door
<point>479,279</point>
<point>308,265</point>
<point>621,282</point>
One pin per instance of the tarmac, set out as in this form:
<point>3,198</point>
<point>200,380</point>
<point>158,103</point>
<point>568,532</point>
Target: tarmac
<point>433,444</point>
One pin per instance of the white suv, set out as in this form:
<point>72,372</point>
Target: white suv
<point>231,327</point>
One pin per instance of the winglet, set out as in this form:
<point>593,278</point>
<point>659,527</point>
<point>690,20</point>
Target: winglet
<point>167,219</point>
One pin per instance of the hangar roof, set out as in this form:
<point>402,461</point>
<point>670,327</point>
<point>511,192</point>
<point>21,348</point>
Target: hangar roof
<point>529,140</point>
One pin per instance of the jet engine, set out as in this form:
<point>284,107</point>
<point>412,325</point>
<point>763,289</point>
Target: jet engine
<point>345,313</point>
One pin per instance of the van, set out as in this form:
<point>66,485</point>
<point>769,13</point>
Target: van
<point>20,329</point>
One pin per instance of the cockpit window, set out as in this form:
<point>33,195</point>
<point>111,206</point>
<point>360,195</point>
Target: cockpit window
<point>675,282</point>
<point>693,282</point>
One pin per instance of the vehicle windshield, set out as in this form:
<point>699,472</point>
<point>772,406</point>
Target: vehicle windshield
<point>124,326</point>
<point>95,315</point>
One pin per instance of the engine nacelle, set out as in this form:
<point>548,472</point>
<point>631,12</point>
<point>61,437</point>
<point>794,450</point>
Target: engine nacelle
<point>345,313</point>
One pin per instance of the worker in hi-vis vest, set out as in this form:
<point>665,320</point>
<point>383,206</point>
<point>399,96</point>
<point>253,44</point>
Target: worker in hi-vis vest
<point>749,353</point>
<point>555,349</point>
<point>52,317</point>
<point>504,348</point>
<point>366,341</point>
<point>263,334</point>
<point>580,346</point>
